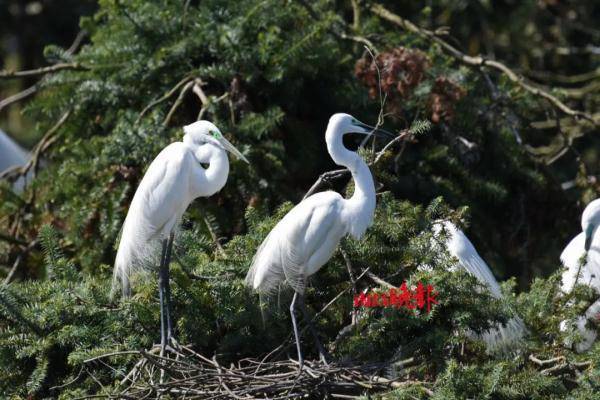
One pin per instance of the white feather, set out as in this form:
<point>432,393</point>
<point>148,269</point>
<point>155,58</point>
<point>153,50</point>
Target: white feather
<point>299,244</point>
<point>12,155</point>
<point>306,238</point>
<point>500,337</point>
<point>585,271</point>
<point>173,180</point>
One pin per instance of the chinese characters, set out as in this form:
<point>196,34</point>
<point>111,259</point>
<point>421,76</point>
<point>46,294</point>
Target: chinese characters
<point>422,298</point>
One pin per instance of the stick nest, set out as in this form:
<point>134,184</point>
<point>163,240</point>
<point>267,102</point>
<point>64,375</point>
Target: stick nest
<point>186,374</point>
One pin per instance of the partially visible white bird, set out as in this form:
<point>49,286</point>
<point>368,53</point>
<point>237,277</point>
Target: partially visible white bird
<point>307,236</point>
<point>173,180</point>
<point>12,155</point>
<point>585,271</point>
<point>500,337</point>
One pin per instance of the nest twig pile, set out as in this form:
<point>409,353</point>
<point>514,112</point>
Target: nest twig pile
<point>186,374</point>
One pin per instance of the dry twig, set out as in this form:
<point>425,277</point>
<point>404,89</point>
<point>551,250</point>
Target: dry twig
<point>191,375</point>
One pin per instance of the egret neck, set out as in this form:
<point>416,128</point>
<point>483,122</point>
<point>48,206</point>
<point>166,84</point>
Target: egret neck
<point>209,181</point>
<point>361,206</point>
<point>217,171</point>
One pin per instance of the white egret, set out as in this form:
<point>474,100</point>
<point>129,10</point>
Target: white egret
<point>306,237</point>
<point>459,246</point>
<point>173,180</point>
<point>12,155</point>
<point>585,271</point>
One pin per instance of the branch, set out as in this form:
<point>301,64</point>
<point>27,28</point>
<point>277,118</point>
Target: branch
<point>204,99</point>
<point>42,71</point>
<point>47,140</point>
<point>326,177</point>
<point>19,96</point>
<point>19,261</point>
<point>341,35</point>
<point>12,240</point>
<point>477,61</point>
<point>77,42</point>
<point>163,98</point>
<point>214,238</point>
<point>380,281</point>
<point>186,88</point>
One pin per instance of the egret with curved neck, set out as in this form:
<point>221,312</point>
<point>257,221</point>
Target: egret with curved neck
<point>307,236</point>
<point>173,180</point>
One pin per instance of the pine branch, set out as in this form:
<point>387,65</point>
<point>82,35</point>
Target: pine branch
<point>477,61</point>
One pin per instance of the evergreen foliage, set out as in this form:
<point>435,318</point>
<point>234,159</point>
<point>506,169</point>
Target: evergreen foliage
<point>271,74</point>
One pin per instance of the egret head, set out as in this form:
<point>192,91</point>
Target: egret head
<point>590,220</point>
<point>203,132</point>
<point>345,123</point>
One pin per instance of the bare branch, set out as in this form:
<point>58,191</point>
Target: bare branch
<point>186,88</point>
<point>19,96</point>
<point>166,96</point>
<point>43,71</point>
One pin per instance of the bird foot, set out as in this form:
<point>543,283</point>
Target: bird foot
<point>324,358</point>
<point>171,346</point>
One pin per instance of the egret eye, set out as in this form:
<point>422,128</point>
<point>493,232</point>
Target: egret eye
<point>215,134</point>
<point>353,121</point>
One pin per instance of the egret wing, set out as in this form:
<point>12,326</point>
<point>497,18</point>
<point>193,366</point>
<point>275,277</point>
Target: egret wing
<point>461,247</point>
<point>284,254</point>
<point>149,212</point>
<point>500,337</point>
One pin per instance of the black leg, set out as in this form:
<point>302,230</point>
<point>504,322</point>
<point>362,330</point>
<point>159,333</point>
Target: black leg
<point>167,263</point>
<point>161,295</point>
<point>313,331</point>
<point>296,334</point>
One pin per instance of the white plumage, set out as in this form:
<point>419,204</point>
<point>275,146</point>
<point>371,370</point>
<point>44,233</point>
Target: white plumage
<point>585,271</point>
<point>12,155</point>
<point>306,238</point>
<point>173,180</point>
<point>459,246</point>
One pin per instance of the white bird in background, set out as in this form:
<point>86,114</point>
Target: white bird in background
<point>12,155</point>
<point>460,247</point>
<point>584,271</point>
<point>173,180</point>
<point>306,237</point>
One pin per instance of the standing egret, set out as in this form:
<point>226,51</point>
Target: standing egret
<point>174,179</point>
<point>460,247</point>
<point>306,237</point>
<point>585,271</point>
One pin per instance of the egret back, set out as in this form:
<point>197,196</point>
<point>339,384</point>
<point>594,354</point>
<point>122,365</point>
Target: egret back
<point>300,244</point>
<point>158,204</point>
